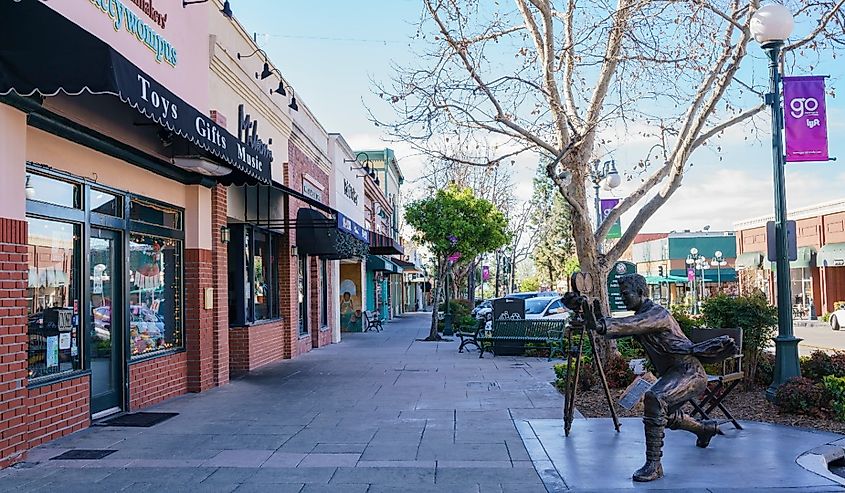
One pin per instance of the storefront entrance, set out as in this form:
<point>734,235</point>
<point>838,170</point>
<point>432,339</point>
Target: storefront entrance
<point>106,348</point>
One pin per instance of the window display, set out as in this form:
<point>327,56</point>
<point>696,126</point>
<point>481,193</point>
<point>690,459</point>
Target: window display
<point>53,297</point>
<point>155,293</point>
<point>252,265</point>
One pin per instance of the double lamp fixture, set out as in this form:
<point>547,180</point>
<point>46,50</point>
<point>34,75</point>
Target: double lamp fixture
<point>366,168</point>
<point>226,10</point>
<point>268,72</point>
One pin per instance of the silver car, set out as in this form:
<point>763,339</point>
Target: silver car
<point>546,307</point>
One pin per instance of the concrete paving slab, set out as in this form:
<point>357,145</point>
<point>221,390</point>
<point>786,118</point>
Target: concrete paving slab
<point>595,457</point>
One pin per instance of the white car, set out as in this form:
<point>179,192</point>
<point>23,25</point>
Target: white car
<point>837,319</point>
<point>546,307</point>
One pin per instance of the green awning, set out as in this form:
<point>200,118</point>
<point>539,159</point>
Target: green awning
<point>382,264</point>
<point>806,255</point>
<point>665,279</point>
<point>832,255</point>
<point>750,260</point>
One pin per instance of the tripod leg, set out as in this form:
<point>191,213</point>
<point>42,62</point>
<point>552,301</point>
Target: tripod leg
<point>600,367</point>
<point>574,390</point>
<point>567,397</point>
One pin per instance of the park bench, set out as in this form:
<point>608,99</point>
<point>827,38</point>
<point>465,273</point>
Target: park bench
<point>372,321</point>
<point>515,333</point>
<point>723,382</point>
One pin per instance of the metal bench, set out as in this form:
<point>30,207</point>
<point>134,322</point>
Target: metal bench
<point>719,385</point>
<point>515,333</point>
<point>372,321</point>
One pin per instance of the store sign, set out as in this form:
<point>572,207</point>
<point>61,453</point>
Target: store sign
<point>311,191</point>
<point>614,292</point>
<point>349,191</point>
<point>123,17</point>
<point>162,106</point>
<point>351,227</point>
<point>248,135</point>
<point>805,119</point>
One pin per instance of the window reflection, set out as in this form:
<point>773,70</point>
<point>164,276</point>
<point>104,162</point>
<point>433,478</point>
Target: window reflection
<point>155,270</point>
<point>106,203</point>
<point>43,189</point>
<point>53,297</point>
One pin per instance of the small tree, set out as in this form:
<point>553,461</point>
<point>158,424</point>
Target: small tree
<point>454,221</point>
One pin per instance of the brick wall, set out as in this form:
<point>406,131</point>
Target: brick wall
<point>256,345</point>
<point>301,167</point>
<point>199,322</point>
<point>58,409</point>
<point>156,379</point>
<point>14,269</point>
<point>220,282</point>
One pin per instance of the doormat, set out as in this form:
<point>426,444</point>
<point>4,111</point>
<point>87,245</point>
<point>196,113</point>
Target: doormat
<point>139,420</point>
<point>83,454</point>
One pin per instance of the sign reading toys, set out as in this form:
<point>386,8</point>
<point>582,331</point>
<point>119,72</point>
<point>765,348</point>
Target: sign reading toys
<point>123,17</point>
<point>805,119</point>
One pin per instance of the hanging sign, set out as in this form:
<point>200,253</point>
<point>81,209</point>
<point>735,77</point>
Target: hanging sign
<point>805,119</point>
<point>485,272</point>
<point>607,205</point>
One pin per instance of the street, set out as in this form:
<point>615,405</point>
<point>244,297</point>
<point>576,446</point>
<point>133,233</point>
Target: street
<point>818,335</point>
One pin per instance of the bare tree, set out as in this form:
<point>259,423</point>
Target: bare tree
<point>558,78</point>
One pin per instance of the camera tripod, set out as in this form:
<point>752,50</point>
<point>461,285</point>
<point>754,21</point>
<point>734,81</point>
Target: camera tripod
<point>573,354</point>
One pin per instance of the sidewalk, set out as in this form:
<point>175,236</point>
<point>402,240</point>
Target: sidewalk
<point>379,412</point>
<point>382,412</point>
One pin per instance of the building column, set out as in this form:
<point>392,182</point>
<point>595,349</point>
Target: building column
<point>14,269</point>
<point>199,317</point>
<point>220,283</point>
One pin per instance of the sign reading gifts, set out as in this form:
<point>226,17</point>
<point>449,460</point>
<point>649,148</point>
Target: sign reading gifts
<point>805,119</point>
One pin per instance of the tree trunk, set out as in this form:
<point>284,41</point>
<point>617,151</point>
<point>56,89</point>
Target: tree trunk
<point>438,289</point>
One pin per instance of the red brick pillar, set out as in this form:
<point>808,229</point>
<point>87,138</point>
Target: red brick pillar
<point>14,268</point>
<point>198,320</point>
<point>220,282</point>
<point>288,294</point>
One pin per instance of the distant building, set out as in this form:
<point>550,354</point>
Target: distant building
<point>662,259</point>
<point>818,274</point>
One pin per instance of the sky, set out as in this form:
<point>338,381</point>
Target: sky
<point>332,54</point>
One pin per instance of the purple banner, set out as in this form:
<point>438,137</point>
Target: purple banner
<point>485,272</point>
<point>805,119</point>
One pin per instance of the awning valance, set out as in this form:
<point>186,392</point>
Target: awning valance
<point>832,255</point>
<point>380,264</point>
<point>750,260</point>
<point>665,279</point>
<point>384,245</point>
<point>407,267</point>
<point>43,53</point>
<point>318,235</point>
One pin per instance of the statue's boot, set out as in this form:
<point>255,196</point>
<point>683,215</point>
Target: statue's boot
<point>652,469</point>
<point>705,430</point>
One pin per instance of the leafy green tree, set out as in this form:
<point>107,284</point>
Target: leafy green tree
<point>554,249</point>
<point>530,284</point>
<point>452,221</point>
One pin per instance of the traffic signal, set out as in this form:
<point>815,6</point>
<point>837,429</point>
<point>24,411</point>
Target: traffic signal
<point>660,271</point>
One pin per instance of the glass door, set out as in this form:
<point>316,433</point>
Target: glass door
<point>106,322</point>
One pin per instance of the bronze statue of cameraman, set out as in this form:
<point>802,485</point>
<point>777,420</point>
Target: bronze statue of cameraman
<point>675,358</point>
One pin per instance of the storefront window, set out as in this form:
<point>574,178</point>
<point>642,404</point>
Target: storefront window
<point>253,275</point>
<point>53,297</point>
<point>154,214</point>
<point>52,191</point>
<point>106,203</point>
<point>303,294</point>
<point>324,298</point>
<point>155,293</point>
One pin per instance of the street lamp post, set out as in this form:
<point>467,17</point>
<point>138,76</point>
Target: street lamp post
<point>693,261</point>
<point>603,175</point>
<point>718,262</point>
<point>771,25</point>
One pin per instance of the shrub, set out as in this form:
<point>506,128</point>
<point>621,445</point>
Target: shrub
<point>586,377</point>
<point>821,364</point>
<point>753,314</point>
<point>458,308</point>
<point>536,349</point>
<point>826,318</point>
<point>619,374</point>
<point>800,395</point>
<point>765,370</point>
<point>681,315</point>
<point>835,387</point>
<point>630,348</point>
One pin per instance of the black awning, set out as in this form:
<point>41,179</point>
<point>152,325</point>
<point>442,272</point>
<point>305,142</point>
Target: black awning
<point>320,236</point>
<point>43,53</point>
<point>384,245</point>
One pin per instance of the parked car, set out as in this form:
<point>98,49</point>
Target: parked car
<point>532,294</point>
<point>483,310</point>
<point>546,307</point>
<point>837,319</point>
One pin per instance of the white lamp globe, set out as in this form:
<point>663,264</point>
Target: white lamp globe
<point>613,180</point>
<point>693,251</point>
<point>772,22</point>
<point>718,254</point>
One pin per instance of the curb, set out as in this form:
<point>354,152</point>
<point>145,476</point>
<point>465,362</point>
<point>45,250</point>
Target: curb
<point>818,459</point>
